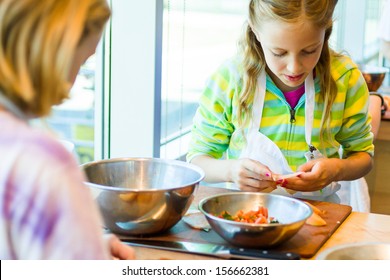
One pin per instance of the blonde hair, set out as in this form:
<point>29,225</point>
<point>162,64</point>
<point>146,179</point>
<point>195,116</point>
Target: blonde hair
<point>320,13</point>
<point>38,39</point>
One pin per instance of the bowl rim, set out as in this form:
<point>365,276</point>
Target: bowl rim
<point>211,216</point>
<point>120,159</point>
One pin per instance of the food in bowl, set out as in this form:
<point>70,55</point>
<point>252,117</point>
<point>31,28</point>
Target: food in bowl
<point>290,212</point>
<point>142,196</point>
<point>259,216</point>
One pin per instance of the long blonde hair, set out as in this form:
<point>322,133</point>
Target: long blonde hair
<point>320,13</point>
<point>38,39</point>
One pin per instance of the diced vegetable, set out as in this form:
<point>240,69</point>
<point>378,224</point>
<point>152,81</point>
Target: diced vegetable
<point>226,215</point>
<point>316,218</point>
<point>259,216</point>
<point>315,209</point>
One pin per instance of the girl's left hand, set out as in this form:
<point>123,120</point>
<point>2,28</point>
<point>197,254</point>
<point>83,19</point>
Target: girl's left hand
<point>316,175</point>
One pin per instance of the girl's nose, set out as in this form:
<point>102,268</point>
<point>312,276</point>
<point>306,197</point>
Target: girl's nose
<point>294,66</point>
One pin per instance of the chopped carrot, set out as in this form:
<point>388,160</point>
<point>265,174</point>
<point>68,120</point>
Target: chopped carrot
<point>261,220</point>
<point>259,216</point>
<point>315,209</point>
<point>315,220</point>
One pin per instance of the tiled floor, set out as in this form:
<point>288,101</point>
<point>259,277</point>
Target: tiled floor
<point>379,178</point>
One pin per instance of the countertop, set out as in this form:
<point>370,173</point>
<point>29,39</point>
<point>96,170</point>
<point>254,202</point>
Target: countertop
<point>357,227</point>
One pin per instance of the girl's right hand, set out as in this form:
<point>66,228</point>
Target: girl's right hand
<point>251,175</point>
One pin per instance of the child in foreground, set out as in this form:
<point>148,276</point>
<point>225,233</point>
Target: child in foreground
<point>46,210</point>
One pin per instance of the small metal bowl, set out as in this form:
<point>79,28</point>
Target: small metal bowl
<point>142,196</point>
<point>290,212</point>
<point>357,251</point>
<point>374,76</point>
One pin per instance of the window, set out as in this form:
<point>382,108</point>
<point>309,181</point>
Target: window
<point>356,29</point>
<point>161,54</point>
<point>74,119</point>
<point>198,35</point>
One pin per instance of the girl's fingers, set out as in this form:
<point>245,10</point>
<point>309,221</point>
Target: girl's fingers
<point>287,176</point>
<point>257,185</point>
<point>258,170</point>
<point>118,249</point>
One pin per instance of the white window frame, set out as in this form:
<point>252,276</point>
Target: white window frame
<point>132,81</point>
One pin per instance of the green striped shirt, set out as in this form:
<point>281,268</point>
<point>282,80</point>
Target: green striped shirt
<point>215,132</point>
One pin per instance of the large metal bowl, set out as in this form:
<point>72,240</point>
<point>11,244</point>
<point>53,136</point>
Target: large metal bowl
<point>142,196</point>
<point>357,251</point>
<point>374,75</point>
<point>290,212</point>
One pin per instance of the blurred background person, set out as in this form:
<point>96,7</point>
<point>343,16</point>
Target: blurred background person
<point>46,210</point>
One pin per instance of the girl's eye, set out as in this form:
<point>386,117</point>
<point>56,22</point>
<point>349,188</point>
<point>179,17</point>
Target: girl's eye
<point>309,52</point>
<point>304,52</point>
<point>278,54</point>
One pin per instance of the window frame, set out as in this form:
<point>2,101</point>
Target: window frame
<point>133,80</point>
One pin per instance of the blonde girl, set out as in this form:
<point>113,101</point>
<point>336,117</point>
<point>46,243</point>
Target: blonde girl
<point>280,112</point>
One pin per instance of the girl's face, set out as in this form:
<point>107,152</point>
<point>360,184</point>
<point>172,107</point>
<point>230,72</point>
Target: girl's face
<point>291,51</point>
<point>82,53</point>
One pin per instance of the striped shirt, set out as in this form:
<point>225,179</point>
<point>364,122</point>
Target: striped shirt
<point>215,132</point>
<point>46,212</point>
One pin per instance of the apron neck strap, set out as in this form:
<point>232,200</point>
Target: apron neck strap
<point>309,107</point>
<point>258,101</point>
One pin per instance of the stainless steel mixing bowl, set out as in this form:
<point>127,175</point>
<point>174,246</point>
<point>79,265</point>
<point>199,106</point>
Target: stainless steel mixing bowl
<point>290,212</point>
<point>357,251</point>
<point>374,76</point>
<point>142,196</point>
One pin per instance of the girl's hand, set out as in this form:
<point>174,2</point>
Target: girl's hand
<point>119,250</point>
<point>251,175</point>
<point>316,175</point>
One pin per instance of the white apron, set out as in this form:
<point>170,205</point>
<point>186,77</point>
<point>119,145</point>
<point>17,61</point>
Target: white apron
<point>259,147</point>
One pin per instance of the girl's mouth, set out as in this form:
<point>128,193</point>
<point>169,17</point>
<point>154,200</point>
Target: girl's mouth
<point>294,78</point>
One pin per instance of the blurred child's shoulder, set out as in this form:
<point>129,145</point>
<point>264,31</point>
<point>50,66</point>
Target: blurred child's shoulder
<point>42,146</point>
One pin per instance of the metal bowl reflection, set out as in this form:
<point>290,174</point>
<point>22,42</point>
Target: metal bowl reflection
<point>373,75</point>
<point>290,212</point>
<point>142,196</point>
